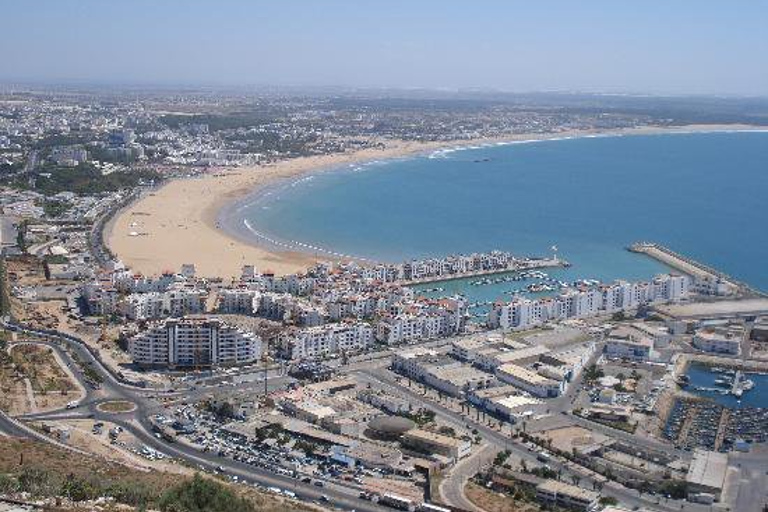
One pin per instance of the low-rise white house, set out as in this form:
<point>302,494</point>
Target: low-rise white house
<point>719,340</point>
<point>631,348</point>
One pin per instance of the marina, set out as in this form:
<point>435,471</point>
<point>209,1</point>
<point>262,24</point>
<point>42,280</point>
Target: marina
<point>451,205</point>
<point>730,387</point>
<point>723,407</point>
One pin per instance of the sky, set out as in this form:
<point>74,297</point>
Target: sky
<point>616,46</point>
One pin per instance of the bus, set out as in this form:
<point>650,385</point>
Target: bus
<point>395,501</point>
<point>427,507</point>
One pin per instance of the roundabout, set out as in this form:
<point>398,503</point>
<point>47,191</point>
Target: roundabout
<point>116,406</point>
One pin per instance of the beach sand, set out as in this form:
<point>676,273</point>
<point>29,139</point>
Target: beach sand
<point>177,223</point>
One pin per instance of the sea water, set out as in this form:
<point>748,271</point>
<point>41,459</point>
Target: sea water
<point>704,195</point>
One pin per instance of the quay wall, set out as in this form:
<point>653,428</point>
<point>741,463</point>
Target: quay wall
<point>689,266</point>
<point>747,365</point>
<point>529,265</point>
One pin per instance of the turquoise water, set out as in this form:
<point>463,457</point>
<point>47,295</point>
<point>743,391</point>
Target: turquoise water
<point>704,195</point>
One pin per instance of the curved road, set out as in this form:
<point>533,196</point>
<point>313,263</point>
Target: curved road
<point>381,377</point>
<point>137,423</point>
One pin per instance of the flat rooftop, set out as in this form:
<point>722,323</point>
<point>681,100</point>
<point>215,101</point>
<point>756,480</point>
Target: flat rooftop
<point>557,487</point>
<point>515,401</point>
<point>708,469</point>
<point>722,308</point>
<point>525,374</point>
<point>433,438</point>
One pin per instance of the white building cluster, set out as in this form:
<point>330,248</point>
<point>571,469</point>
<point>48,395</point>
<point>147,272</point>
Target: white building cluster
<point>325,340</point>
<point>139,297</point>
<point>452,266</point>
<point>440,372</point>
<point>329,310</point>
<point>493,372</point>
<point>521,313</point>
<point>534,369</point>
<point>193,342</point>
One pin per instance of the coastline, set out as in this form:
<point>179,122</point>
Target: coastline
<point>180,222</point>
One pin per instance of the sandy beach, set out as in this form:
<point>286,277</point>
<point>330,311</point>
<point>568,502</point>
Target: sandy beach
<point>177,223</point>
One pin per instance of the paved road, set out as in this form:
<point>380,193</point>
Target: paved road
<point>452,486</point>
<point>137,423</point>
<point>629,497</point>
<point>9,427</point>
<point>746,487</point>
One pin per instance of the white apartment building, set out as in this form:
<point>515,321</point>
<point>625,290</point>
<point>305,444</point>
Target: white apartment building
<point>194,342</point>
<point>153,305</point>
<point>324,340</point>
<point>405,328</point>
<point>632,348</point>
<point>239,301</point>
<point>719,340</point>
<point>522,313</point>
<point>101,299</point>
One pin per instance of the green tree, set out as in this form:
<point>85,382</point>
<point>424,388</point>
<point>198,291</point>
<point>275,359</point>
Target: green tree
<point>203,495</point>
<point>77,489</point>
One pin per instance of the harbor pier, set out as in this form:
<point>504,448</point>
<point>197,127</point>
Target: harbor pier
<point>706,280</point>
<point>515,266</point>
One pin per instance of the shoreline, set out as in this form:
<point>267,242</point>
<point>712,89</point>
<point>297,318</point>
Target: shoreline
<point>184,220</point>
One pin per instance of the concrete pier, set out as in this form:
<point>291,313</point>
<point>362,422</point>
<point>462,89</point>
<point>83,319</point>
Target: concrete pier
<point>529,264</point>
<point>706,280</point>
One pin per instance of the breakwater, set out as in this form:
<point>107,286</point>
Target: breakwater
<point>706,280</point>
<point>515,266</point>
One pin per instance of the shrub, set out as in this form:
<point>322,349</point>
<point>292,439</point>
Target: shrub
<point>203,495</point>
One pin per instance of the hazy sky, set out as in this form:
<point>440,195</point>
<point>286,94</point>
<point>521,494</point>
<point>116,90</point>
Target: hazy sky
<point>655,46</point>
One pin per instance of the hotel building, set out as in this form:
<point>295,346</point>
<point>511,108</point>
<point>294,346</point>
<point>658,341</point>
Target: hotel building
<point>194,342</point>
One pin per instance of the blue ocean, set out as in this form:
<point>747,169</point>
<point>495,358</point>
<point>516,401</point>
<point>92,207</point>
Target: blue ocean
<point>704,195</point>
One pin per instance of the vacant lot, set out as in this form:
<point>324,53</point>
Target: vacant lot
<point>38,364</point>
<point>491,501</point>
<point>32,380</point>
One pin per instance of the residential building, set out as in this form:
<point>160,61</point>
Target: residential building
<point>561,494</point>
<point>719,340</point>
<point>194,342</point>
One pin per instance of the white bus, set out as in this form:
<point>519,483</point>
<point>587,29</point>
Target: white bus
<point>427,507</point>
<point>398,502</point>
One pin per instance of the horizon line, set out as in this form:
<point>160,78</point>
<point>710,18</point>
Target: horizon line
<point>6,83</point>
